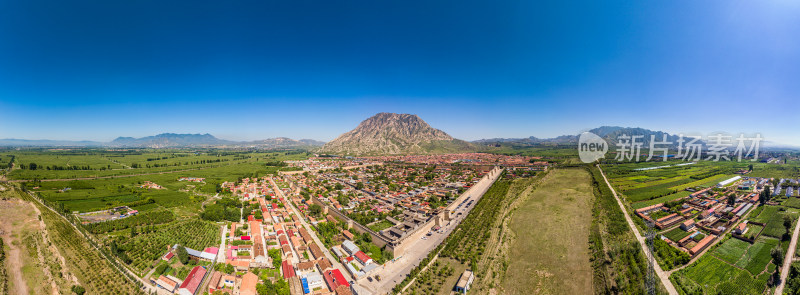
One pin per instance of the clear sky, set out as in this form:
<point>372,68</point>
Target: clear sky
<point>245,70</point>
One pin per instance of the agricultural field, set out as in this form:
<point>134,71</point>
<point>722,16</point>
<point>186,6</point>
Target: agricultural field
<point>667,198</point>
<point>676,234</point>
<point>750,265</point>
<point>82,264</point>
<point>148,245</point>
<point>710,275</point>
<point>146,180</point>
<point>97,194</point>
<point>732,266</point>
<point>31,164</point>
<point>655,185</point>
<point>792,202</point>
<point>773,217</point>
<point>753,230</point>
<point>439,278</point>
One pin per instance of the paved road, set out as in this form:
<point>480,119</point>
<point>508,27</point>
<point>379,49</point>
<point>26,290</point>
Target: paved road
<point>787,261</point>
<point>311,232</point>
<point>663,276</point>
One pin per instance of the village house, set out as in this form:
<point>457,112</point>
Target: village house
<point>192,281</point>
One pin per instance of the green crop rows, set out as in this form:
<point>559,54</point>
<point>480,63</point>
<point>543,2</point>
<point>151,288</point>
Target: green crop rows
<point>145,248</point>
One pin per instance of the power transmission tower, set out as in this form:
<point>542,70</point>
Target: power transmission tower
<point>650,280</point>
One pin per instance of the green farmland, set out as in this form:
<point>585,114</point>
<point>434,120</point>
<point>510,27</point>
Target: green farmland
<point>86,180</point>
<point>732,266</point>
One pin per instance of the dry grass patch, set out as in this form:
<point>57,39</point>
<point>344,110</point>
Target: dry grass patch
<point>550,245</point>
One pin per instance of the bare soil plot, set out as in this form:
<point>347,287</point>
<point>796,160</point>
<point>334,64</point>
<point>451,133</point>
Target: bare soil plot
<point>549,253</point>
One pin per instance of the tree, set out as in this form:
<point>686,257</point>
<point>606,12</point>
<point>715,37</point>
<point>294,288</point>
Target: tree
<point>777,255</point>
<point>183,255</point>
<point>750,167</point>
<point>275,254</point>
<point>78,290</point>
<point>113,247</point>
<point>315,209</point>
<point>161,268</point>
<point>731,199</point>
<point>33,166</point>
<point>787,223</point>
<point>133,231</point>
<point>764,197</point>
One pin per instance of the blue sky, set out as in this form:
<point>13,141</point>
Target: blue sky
<point>249,70</point>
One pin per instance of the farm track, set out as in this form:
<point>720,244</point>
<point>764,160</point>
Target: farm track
<point>662,275</point>
<point>787,262</point>
<point>14,265</point>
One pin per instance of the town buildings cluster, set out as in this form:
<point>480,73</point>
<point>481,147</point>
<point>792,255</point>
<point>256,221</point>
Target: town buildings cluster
<point>698,219</point>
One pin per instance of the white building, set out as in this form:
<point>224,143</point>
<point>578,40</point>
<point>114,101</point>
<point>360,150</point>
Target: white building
<point>465,281</point>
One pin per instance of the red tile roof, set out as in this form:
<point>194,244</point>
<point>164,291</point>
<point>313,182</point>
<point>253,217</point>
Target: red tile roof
<point>288,270</point>
<point>702,244</point>
<point>248,286</point>
<point>334,278</point>
<point>193,280</point>
<point>362,257</point>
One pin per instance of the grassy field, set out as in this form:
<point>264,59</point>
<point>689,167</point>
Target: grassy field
<point>551,230</point>
<point>381,225</point>
<point>26,251</point>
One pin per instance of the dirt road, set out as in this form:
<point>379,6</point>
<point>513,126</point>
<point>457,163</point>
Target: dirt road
<point>11,221</point>
<point>787,261</point>
<point>662,275</point>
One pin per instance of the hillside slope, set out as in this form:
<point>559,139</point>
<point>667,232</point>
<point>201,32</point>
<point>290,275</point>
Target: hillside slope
<point>390,133</point>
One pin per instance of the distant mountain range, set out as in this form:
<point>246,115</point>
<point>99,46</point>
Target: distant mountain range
<point>383,133</point>
<point>610,133</point>
<point>390,133</point>
<point>170,140</point>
